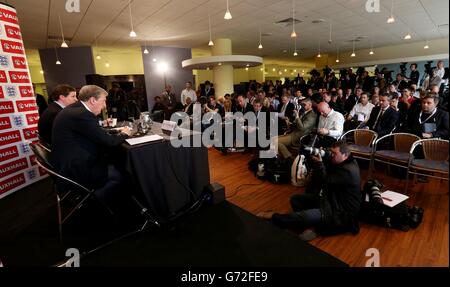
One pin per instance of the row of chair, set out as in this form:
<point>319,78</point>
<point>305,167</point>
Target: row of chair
<point>401,150</point>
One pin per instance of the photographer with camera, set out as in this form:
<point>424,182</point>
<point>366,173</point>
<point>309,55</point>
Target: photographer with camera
<point>332,199</point>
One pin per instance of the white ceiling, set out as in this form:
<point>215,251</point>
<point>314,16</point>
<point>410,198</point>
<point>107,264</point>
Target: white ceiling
<point>183,23</point>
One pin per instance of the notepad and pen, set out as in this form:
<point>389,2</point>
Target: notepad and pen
<point>391,198</point>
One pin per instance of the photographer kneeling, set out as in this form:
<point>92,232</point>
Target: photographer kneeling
<point>332,199</point>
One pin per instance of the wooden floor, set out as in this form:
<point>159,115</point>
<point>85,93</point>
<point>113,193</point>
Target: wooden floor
<point>425,246</point>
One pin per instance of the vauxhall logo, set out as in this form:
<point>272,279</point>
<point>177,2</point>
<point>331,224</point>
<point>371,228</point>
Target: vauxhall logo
<point>13,32</point>
<point>12,47</point>
<point>8,16</point>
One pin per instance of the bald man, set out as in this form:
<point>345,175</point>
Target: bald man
<point>331,123</point>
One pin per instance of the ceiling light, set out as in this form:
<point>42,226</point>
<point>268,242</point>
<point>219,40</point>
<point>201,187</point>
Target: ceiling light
<point>371,52</point>
<point>107,65</point>
<point>285,70</point>
<point>261,69</point>
<point>273,70</point>
<point>295,53</point>
<point>220,64</point>
<point>260,44</point>
<point>211,43</point>
<point>41,72</point>
<point>337,60</point>
<point>58,62</point>
<point>295,71</point>
<point>426,46</point>
<point>98,57</point>
<point>162,67</point>
<point>293,34</point>
<point>353,53</point>
<point>337,55</point>
<point>63,44</point>
<point>132,33</point>
<point>391,19</point>
<point>247,65</point>
<point>146,51</point>
<point>154,60</point>
<point>227,14</point>
<point>408,36</point>
<point>246,68</point>
<point>331,29</point>
<point>318,55</point>
<point>207,68</point>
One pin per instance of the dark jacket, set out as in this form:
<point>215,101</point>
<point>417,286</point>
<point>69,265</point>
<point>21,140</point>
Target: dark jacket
<point>340,199</point>
<point>78,146</point>
<point>289,110</point>
<point>248,108</point>
<point>386,123</point>
<point>440,119</point>
<point>349,103</point>
<point>45,124</point>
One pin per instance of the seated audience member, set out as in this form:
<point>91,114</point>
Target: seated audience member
<point>360,113</point>
<point>332,199</point>
<point>336,102</point>
<point>383,118</point>
<point>158,106</point>
<point>63,96</point>
<point>213,106</point>
<point>430,121</point>
<point>352,100</point>
<point>285,113</point>
<point>79,143</point>
<point>375,99</point>
<point>189,106</point>
<point>392,89</point>
<point>303,124</point>
<point>407,97</point>
<point>400,84</point>
<point>331,123</point>
<point>274,102</point>
<point>402,110</point>
<point>242,105</point>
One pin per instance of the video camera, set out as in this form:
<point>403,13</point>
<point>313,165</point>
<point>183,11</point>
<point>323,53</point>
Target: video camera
<point>403,68</point>
<point>428,68</point>
<point>373,188</point>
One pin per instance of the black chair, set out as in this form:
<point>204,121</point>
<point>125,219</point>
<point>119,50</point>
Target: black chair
<point>157,116</point>
<point>80,193</point>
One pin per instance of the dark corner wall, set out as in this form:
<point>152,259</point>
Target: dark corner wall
<point>76,64</point>
<point>175,76</point>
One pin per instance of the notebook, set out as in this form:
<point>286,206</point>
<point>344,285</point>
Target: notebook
<point>144,139</point>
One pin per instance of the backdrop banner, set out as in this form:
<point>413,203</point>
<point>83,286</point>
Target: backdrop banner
<point>18,110</point>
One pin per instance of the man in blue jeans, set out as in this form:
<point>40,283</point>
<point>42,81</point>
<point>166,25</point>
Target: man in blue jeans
<point>332,199</point>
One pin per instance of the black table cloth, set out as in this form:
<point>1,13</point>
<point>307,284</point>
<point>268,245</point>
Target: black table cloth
<point>168,179</point>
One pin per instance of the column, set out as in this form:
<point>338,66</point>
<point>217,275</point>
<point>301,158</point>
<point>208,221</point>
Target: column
<point>222,75</point>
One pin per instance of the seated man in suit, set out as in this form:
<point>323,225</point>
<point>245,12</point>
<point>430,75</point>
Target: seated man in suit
<point>285,113</point>
<point>79,143</point>
<point>188,107</point>
<point>430,121</point>
<point>303,125</point>
<point>383,118</point>
<point>63,96</point>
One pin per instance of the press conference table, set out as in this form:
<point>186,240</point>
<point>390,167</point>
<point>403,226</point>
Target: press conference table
<point>167,178</point>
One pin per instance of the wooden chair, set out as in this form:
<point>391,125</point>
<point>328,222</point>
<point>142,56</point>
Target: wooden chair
<point>399,155</point>
<point>435,160</point>
<point>361,144</point>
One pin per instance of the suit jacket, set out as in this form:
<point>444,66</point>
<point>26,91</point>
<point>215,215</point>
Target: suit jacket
<point>248,108</point>
<point>387,122</point>
<point>303,125</point>
<point>78,146</point>
<point>440,119</point>
<point>189,109</point>
<point>289,110</point>
<point>205,93</point>
<point>45,124</point>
